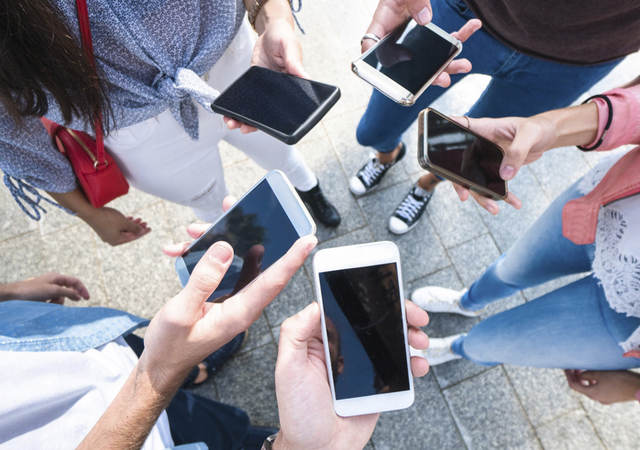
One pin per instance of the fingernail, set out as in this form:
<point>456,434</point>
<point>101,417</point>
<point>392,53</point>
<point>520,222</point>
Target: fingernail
<point>424,16</point>
<point>221,251</point>
<point>507,172</point>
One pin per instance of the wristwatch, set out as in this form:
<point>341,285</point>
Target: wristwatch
<point>268,442</point>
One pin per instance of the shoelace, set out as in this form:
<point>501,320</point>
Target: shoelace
<point>371,171</point>
<point>410,207</point>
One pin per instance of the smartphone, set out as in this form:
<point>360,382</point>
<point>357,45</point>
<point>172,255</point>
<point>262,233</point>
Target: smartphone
<point>261,227</point>
<point>456,153</point>
<point>405,62</point>
<point>282,105</point>
<point>364,329</point>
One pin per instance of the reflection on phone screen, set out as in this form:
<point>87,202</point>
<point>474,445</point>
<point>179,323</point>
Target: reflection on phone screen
<point>363,318</point>
<point>280,101</point>
<point>411,56</point>
<point>455,149</point>
<point>259,231</point>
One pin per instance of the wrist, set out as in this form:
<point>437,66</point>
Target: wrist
<point>577,125</point>
<point>280,443</point>
<point>162,380</point>
<point>273,11</point>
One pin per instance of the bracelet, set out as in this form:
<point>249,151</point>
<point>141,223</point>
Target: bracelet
<point>374,37</point>
<point>606,127</point>
<point>253,14</point>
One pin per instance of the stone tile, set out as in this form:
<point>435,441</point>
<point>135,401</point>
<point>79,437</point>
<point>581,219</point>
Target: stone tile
<point>473,257</point>
<point>138,277</point>
<point>569,432</point>
<point>229,154</point>
<point>14,222</point>
<point>544,393</point>
<point>259,335</point>
<point>617,424</point>
<point>420,249</point>
<point>247,382</point>
<point>22,257</point>
<point>511,223</point>
<point>321,158</point>
<point>429,412</point>
<point>455,221</point>
<point>559,169</point>
<point>133,202</point>
<point>294,297</point>
<point>488,414</point>
<point>359,236</point>
<point>241,177</point>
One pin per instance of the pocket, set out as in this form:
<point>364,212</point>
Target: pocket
<point>460,7</point>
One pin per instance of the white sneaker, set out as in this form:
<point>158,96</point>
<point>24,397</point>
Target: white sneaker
<point>441,300</point>
<point>439,351</point>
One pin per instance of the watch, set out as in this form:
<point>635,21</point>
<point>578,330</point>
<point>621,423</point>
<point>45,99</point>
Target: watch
<point>268,442</point>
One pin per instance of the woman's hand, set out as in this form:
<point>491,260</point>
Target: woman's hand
<point>523,140</point>
<point>51,287</point>
<point>606,387</point>
<point>307,417</point>
<point>114,228</point>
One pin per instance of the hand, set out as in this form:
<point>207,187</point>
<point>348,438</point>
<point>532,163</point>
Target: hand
<point>606,387</point>
<point>523,140</point>
<point>307,417</point>
<point>188,328</point>
<point>114,228</point>
<point>50,287</point>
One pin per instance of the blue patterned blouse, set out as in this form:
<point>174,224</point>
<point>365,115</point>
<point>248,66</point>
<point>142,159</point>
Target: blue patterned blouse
<point>148,52</point>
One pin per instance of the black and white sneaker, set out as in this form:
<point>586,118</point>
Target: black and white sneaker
<point>370,175</point>
<point>409,211</point>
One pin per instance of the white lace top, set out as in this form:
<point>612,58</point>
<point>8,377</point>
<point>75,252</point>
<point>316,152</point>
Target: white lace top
<point>617,255</point>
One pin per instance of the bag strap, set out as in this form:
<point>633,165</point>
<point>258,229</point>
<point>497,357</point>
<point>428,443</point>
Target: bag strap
<point>87,45</point>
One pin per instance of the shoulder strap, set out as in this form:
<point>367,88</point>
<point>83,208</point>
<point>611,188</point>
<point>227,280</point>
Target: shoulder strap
<point>87,45</point>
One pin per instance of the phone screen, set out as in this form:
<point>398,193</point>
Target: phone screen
<point>277,100</point>
<point>469,156</point>
<point>411,55</point>
<point>363,318</point>
<point>259,231</point>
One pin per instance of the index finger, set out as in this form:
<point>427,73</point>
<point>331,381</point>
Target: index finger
<point>467,30</point>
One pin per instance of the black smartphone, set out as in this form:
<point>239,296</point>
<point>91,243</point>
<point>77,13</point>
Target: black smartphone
<point>282,105</point>
<point>261,227</point>
<point>456,153</point>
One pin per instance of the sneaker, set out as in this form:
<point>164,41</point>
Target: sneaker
<point>439,351</point>
<point>323,211</point>
<point>409,211</point>
<point>441,300</point>
<point>370,175</point>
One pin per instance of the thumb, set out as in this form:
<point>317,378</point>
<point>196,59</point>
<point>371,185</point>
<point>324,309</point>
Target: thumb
<point>517,152</point>
<point>420,10</point>
<point>296,332</point>
<point>206,276</point>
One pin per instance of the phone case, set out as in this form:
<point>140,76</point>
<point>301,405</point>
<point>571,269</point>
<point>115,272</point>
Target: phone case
<point>289,139</point>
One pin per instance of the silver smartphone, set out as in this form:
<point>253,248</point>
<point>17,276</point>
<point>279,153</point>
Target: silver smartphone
<point>405,62</point>
<point>364,328</point>
<point>261,227</point>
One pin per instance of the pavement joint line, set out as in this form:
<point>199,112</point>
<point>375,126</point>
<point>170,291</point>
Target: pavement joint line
<point>442,389</point>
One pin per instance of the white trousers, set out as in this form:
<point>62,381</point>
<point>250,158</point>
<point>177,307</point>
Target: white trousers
<point>158,157</point>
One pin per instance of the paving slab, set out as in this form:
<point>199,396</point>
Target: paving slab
<point>616,425</point>
<point>572,431</point>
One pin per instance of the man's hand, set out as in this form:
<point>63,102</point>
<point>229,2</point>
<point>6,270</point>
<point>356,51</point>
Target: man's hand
<point>606,387</point>
<point>307,417</point>
<point>51,287</point>
<point>187,328</point>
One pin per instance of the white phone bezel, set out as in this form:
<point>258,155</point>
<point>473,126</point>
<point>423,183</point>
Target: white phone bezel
<point>288,199</point>
<point>349,257</point>
<point>386,85</point>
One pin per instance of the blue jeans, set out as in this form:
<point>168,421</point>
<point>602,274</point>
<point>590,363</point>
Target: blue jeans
<point>572,327</point>
<point>521,85</point>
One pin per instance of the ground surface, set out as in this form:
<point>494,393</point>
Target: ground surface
<point>458,405</point>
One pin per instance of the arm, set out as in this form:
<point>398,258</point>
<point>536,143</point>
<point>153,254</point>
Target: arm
<point>182,334</point>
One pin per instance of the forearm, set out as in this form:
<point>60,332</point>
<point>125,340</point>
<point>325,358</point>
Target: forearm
<point>76,202</point>
<point>576,125</point>
<point>129,419</point>
<point>271,10</point>
<point>6,292</point>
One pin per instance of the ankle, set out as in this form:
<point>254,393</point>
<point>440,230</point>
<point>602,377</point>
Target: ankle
<point>386,158</point>
<point>428,182</point>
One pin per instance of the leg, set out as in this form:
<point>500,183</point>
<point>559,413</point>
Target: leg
<point>570,328</point>
<point>541,254</point>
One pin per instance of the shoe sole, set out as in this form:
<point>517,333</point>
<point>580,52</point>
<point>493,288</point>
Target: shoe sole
<point>404,232</point>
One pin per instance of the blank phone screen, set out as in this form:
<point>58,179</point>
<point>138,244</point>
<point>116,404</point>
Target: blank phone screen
<point>471,157</point>
<point>363,318</point>
<point>411,55</point>
<point>277,100</point>
<point>259,231</point>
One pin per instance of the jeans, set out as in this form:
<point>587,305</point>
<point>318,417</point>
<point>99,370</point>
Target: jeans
<point>521,85</point>
<point>572,327</point>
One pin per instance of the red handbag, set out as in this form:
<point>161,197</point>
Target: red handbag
<point>98,174</point>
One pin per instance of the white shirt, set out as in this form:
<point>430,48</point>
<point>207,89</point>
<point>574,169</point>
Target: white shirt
<point>52,399</point>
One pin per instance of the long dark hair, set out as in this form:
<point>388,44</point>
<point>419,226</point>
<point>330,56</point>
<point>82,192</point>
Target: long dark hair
<point>39,55</point>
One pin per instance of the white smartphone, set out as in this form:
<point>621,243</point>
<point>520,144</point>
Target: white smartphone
<point>405,62</point>
<point>261,227</point>
<point>364,328</point>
